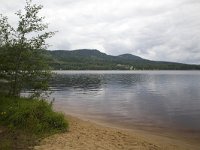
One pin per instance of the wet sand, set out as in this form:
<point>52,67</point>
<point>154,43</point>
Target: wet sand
<point>87,134</point>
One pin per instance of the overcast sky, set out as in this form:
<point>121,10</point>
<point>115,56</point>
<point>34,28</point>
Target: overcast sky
<point>167,30</point>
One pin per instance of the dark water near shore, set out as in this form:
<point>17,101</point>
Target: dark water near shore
<point>165,99</point>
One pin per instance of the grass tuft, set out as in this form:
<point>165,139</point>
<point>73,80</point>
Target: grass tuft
<point>23,122</point>
<point>31,115</point>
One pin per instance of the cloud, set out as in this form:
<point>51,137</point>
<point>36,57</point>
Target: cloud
<point>159,30</point>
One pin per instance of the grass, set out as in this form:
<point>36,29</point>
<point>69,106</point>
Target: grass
<point>27,120</point>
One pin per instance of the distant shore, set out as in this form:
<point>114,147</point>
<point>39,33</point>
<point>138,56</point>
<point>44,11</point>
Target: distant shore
<point>88,135</point>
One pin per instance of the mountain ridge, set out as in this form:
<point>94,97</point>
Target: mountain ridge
<point>93,59</point>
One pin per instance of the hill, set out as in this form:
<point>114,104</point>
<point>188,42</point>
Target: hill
<point>86,59</point>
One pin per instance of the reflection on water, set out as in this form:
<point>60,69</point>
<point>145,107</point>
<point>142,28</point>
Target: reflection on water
<point>150,98</point>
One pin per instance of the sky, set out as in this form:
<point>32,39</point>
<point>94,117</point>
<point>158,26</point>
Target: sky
<point>163,30</point>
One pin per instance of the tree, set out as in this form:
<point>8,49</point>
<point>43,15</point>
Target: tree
<point>22,60</point>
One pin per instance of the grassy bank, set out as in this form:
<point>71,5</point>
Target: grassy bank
<point>24,121</point>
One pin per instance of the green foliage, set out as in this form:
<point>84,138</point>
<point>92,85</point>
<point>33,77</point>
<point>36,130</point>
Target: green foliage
<point>22,61</point>
<point>31,115</point>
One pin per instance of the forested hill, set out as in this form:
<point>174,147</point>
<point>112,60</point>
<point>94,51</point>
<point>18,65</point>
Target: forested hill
<point>86,59</point>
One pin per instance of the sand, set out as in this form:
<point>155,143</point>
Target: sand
<point>89,135</point>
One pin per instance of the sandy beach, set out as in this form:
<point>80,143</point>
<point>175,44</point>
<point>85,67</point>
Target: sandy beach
<point>89,135</point>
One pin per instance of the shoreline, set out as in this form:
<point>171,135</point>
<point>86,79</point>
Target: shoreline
<point>190,136</point>
<point>90,134</point>
<point>187,135</point>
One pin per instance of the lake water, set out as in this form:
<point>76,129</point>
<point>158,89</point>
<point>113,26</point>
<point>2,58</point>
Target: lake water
<point>163,99</point>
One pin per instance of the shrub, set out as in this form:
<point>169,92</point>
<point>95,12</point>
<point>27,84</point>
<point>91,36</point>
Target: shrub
<point>31,115</point>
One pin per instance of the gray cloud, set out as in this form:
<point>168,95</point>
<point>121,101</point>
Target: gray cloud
<point>155,29</point>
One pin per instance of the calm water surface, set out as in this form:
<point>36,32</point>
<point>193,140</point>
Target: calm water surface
<point>163,99</point>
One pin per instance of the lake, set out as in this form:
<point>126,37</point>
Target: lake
<point>162,99</point>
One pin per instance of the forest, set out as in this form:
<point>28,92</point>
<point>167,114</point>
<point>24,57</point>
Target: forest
<point>92,59</point>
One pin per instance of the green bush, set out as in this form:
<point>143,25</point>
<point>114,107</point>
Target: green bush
<point>34,116</point>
